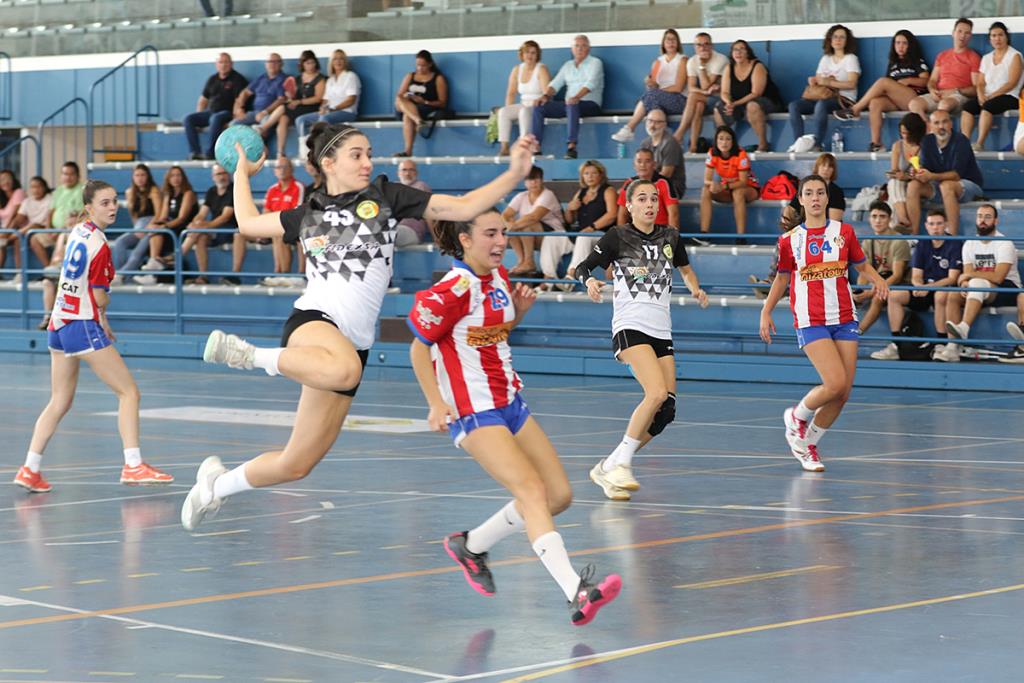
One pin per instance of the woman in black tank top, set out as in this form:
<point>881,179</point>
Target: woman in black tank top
<point>747,92</point>
<point>309,94</point>
<point>422,97</point>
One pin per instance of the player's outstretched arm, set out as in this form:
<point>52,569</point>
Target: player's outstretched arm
<point>251,222</point>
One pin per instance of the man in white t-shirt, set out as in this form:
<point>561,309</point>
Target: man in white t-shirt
<point>704,84</point>
<point>534,210</point>
<point>987,263</point>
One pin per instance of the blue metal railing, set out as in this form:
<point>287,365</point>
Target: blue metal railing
<point>6,88</point>
<point>119,98</point>
<point>69,143</point>
<point>16,146</point>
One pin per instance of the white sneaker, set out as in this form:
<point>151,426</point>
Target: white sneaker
<point>118,280</point>
<point>622,477</point>
<point>193,511</point>
<point>796,431</point>
<point>890,352</point>
<point>950,353</point>
<point>144,279</point>
<point>153,264</point>
<point>624,135</point>
<point>16,280</point>
<point>1013,329</point>
<point>804,143</point>
<point>230,350</point>
<point>958,330</point>
<point>599,477</point>
<point>270,281</point>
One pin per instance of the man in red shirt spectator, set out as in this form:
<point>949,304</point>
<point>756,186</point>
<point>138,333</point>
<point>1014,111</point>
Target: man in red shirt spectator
<point>286,193</point>
<point>952,79</point>
<point>668,204</point>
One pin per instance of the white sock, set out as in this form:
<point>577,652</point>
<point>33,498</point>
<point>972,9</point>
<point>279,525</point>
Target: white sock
<point>32,461</point>
<point>229,483</point>
<point>814,434</point>
<point>502,523</point>
<point>132,457</point>
<point>551,551</point>
<point>622,455</point>
<point>267,359</point>
<point>802,412</point>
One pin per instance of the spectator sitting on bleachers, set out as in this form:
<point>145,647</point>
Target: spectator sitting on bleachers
<point>1018,133</point>
<point>422,99</point>
<point>286,193</point>
<point>216,211</point>
<point>834,81</point>
<point>177,210</point>
<point>987,263</point>
<point>33,214</point>
<point>583,79</point>
<point>665,85</point>
<point>947,167</point>
<point>668,154</point>
<point>891,258</point>
<point>668,203</point>
<point>341,96</point>
<point>65,214</point>
<point>411,231</point>
<point>906,78</point>
<point>143,199</point>
<point>998,83</point>
<point>827,167</point>
<point>704,84</point>
<point>315,183</point>
<point>952,79</point>
<point>591,211</point>
<point>935,263</point>
<point>533,210</point>
<point>215,105</point>
<point>529,79</point>
<point>747,93</point>
<point>11,197</point>
<point>309,96</point>
<point>267,93</point>
<point>728,179</point>
<point>908,147</point>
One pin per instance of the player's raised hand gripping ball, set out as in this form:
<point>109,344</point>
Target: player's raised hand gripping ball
<point>227,154</point>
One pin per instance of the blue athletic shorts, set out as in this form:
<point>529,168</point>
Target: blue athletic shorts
<point>844,332</point>
<point>78,337</point>
<point>513,416</point>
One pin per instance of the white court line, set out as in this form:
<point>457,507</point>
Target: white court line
<point>280,492</point>
<point>82,543</point>
<point>337,656</point>
<point>95,500</point>
<point>310,518</point>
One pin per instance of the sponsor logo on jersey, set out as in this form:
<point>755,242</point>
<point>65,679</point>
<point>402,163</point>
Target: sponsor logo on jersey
<point>367,210</point>
<point>425,318</point>
<point>839,241</point>
<point>827,270</point>
<point>667,250</point>
<point>639,273</point>
<point>315,245</point>
<point>434,296</point>
<point>461,286</point>
<point>488,335</point>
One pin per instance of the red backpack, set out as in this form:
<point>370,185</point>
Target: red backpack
<point>780,186</point>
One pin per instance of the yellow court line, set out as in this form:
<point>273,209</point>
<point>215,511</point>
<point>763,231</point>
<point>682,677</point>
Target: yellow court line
<point>750,578</point>
<point>111,673</point>
<point>643,649</point>
<point>29,589</point>
<point>418,573</point>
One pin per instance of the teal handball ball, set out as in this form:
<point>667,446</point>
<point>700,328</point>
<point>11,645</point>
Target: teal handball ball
<point>227,155</point>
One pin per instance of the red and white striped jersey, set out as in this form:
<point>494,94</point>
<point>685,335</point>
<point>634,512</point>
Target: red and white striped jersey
<point>466,320</point>
<point>819,260</point>
<point>87,265</point>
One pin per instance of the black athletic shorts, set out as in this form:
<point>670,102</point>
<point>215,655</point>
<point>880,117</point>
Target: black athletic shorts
<point>624,339</point>
<point>298,318</point>
<point>922,303</point>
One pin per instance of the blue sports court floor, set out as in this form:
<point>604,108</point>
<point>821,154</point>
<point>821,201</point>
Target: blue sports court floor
<point>903,562</point>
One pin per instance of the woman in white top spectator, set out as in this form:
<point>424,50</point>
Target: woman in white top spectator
<point>341,96</point>
<point>534,210</point>
<point>665,83</point>
<point>906,78</point>
<point>529,79</point>
<point>838,71</point>
<point>998,83</point>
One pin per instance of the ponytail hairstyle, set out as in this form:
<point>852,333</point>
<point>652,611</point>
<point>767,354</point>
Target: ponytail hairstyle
<point>92,187</point>
<point>446,234</point>
<point>324,139</point>
<point>800,215</point>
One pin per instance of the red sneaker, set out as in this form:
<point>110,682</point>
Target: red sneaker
<point>31,481</point>
<point>144,474</point>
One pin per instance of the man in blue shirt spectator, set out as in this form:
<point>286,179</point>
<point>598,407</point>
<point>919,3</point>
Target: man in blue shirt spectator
<point>583,78</point>
<point>267,93</point>
<point>214,106</point>
<point>947,166</point>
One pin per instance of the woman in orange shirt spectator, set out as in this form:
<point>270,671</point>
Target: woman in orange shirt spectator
<point>727,178</point>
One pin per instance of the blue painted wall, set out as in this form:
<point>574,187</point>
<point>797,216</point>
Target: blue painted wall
<point>477,79</point>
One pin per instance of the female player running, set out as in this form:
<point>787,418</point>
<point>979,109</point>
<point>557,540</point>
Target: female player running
<point>820,251</point>
<point>462,325</point>
<point>642,256</point>
<point>347,232</point>
<point>79,329</point>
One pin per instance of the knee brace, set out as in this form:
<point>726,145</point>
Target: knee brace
<point>978,282</point>
<point>664,417</point>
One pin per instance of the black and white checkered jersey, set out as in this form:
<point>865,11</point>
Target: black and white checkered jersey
<point>349,242</point>
<point>641,266</point>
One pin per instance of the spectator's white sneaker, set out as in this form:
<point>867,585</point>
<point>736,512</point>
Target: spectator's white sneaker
<point>890,352</point>
<point>624,135</point>
<point>804,143</point>
<point>144,279</point>
<point>193,511</point>
<point>1013,329</point>
<point>153,264</point>
<point>229,350</point>
<point>270,281</point>
<point>118,279</point>
<point>950,353</point>
<point>958,330</point>
<point>1015,356</point>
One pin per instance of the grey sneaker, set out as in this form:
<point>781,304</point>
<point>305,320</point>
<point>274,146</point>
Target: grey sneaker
<point>193,511</point>
<point>229,350</point>
<point>890,352</point>
<point>1013,329</point>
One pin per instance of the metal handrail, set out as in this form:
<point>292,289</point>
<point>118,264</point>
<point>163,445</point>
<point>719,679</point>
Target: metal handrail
<point>61,112</point>
<point>6,88</point>
<point>147,103</point>
<point>17,143</point>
